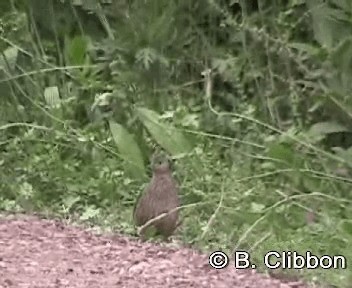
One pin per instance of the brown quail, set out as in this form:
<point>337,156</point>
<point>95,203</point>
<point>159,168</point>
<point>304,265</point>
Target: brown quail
<point>160,196</point>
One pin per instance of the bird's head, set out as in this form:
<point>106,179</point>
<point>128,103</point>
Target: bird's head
<point>160,163</point>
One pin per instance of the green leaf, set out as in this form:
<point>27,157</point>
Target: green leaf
<point>146,56</point>
<point>342,56</point>
<point>76,50</point>
<point>257,207</point>
<point>89,213</point>
<point>346,226</point>
<point>304,47</point>
<point>287,158</point>
<point>9,58</point>
<point>345,5</point>
<point>52,98</point>
<point>91,5</point>
<point>129,149</point>
<point>281,152</point>
<point>344,154</point>
<point>70,200</point>
<point>166,135</point>
<point>329,24</point>
<point>325,128</point>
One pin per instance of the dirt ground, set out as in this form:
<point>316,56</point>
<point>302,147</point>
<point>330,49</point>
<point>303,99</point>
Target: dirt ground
<point>40,253</point>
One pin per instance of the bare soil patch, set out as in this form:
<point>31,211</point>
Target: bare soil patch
<point>40,253</point>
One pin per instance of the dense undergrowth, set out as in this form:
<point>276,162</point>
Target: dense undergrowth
<point>262,144</point>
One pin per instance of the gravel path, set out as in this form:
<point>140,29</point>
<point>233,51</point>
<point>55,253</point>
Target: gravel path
<point>39,253</point>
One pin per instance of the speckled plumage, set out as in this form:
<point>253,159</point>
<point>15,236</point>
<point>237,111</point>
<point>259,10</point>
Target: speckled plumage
<point>160,196</point>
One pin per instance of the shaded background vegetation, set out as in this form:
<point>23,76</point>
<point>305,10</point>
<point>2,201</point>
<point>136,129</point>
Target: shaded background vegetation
<point>262,143</point>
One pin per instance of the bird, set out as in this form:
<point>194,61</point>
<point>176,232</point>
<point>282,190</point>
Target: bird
<point>160,196</point>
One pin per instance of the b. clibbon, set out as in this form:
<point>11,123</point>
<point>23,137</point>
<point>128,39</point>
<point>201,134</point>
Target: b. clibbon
<point>293,260</point>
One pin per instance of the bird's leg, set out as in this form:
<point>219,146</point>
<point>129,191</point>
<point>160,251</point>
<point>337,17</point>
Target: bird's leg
<point>167,239</point>
<point>142,235</point>
<point>178,224</point>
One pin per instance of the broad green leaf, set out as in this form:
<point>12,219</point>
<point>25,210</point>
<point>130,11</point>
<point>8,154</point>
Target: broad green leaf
<point>77,2</point>
<point>345,5</point>
<point>282,152</point>
<point>76,50</point>
<point>9,58</point>
<point>298,2</point>
<point>342,57</point>
<point>304,47</point>
<point>91,5</point>
<point>287,159</point>
<point>344,153</point>
<point>329,24</point>
<point>129,149</point>
<point>324,128</point>
<point>166,135</point>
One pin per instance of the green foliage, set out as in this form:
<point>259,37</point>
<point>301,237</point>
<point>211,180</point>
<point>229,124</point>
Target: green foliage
<point>76,50</point>
<point>89,88</point>
<point>129,149</point>
<point>166,136</point>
